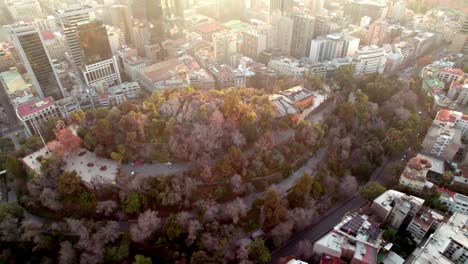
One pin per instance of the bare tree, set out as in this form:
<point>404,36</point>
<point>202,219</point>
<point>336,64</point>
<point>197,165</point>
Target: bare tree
<point>304,249</point>
<point>67,254</point>
<point>148,223</point>
<point>106,208</point>
<point>235,210</point>
<point>282,232</point>
<point>193,228</point>
<point>237,184</point>
<point>348,186</point>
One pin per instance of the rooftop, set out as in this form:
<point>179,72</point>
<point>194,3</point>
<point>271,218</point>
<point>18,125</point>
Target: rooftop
<point>297,93</point>
<point>208,27</point>
<point>434,83</point>
<point>35,106</point>
<point>432,250</point>
<point>385,199</point>
<point>455,71</point>
<point>14,81</point>
<point>436,164</point>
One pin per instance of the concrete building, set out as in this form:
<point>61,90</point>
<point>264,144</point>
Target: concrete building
<point>333,46</point>
<point>55,45</point>
<point>132,66</point>
<point>460,40</point>
<point>369,59</point>
<point>120,17</point>
<point>322,25</point>
<point>315,6</point>
<point>124,91</point>
<point>357,9</point>
<point>47,24</point>
<point>424,43</point>
<point>405,207</point>
<point>285,27</point>
<point>377,32</point>
<point>414,174</point>
<point>68,20</point>
<point>226,76</point>
<point>24,9</point>
<point>458,92</point>
<point>35,113</point>
<point>253,42</point>
<point>449,75</point>
<point>207,30</point>
<point>455,202</point>
<point>201,79</point>
<point>287,67</point>
<point>37,61</point>
<point>99,66</point>
<point>383,205</point>
<point>171,73</point>
<point>447,245</point>
<point>422,223</point>
<point>303,33</point>
<point>225,45</point>
<point>282,6</point>
<point>355,239</point>
<point>443,138</point>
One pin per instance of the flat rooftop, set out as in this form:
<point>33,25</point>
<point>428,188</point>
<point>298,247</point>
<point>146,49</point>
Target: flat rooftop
<point>35,106</point>
<point>88,166</point>
<point>431,251</point>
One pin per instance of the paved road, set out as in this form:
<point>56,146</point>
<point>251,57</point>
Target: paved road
<point>331,218</point>
<point>12,119</point>
<point>286,184</point>
<point>318,229</point>
<point>155,169</point>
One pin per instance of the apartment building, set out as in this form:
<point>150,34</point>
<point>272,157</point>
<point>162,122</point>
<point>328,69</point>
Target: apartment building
<point>369,59</point>
<point>35,113</point>
<point>332,46</point>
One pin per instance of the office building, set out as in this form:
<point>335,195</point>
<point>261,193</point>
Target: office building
<point>287,67</point>
<point>155,28</point>
<point>55,45</point>
<point>68,20</point>
<point>37,61</point>
<point>99,65</point>
<point>132,66</point>
<point>283,6</point>
<point>322,25</point>
<point>35,113</point>
<point>447,245</point>
<point>253,42</point>
<point>369,59</point>
<point>24,9</point>
<point>120,16</point>
<point>332,46</point>
<point>225,45</point>
<point>315,6</point>
<point>285,27</point>
<point>303,33</point>
<point>47,24</point>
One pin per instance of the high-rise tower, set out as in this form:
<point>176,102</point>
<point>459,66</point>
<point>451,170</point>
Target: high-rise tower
<point>37,61</point>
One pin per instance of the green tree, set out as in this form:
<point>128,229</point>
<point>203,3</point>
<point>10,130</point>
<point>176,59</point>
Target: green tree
<point>200,257</point>
<point>120,252</point>
<point>273,209</point>
<point>134,203</point>
<point>140,259</point>
<point>69,183</point>
<point>259,252</point>
<point>16,173</point>
<point>389,235</point>
<point>372,190</point>
<point>172,228</point>
<point>299,196</point>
